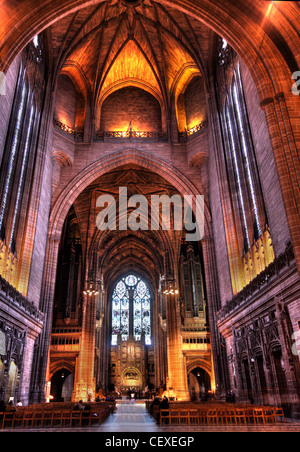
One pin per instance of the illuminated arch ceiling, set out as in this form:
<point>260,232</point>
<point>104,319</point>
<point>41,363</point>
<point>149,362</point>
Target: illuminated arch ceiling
<point>125,251</point>
<point>122,43</point>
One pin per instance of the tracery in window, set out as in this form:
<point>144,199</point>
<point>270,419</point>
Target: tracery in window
<point>247,230</point>
<point>237,174</point>
<point>13,153</point>
<point>240,156</point>
<point>131,310</point>
<point>237,87</point>
<point>22,175</point>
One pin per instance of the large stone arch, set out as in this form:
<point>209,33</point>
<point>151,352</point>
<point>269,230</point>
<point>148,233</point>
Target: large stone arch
<point>61,364</point>
<point>119,84</point>
<point>108,163</point>
<point>83,179</point>
<point>243,28</point>
<point>70,193</point>
<point>203,364</point>
<point>236,24</point>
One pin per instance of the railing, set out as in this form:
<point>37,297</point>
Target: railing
<point>63,339</point>
<point>12,295</point>
<point>131,135</point>
<point>64,127</point>
<point>77,135</point>
<point>195,340</point>
<point>186,134</point>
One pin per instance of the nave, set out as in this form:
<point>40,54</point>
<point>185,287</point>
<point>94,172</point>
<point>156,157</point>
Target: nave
<point>134,417</point>
<point>130,417</point>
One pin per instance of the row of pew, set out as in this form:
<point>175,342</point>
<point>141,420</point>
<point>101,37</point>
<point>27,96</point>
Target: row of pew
<point>55,415</point>
<point>209,413</point>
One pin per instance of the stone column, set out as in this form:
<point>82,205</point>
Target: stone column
<point>155,339</point>
<point>103,339</point>
<point>27,365</point>
<point>84,387</point>
<point>213,305</point>
<point>287,163</point>
<point>40,372</point>
<point>177,379</point>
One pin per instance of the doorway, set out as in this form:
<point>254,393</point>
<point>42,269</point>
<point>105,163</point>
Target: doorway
<point>199,384</point>
<point>62,384</point>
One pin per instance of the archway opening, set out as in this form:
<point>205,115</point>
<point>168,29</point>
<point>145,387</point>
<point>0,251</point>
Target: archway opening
<point>62,383</point>
<point>199,383</point>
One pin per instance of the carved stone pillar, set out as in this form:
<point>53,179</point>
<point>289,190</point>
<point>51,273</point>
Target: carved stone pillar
<point>84,387</point>
<point>177,379</point>
<point>156,341</point>
<point>41,375</point>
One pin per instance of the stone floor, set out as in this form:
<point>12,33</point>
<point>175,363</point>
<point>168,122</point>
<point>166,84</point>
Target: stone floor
<point>131,417</point>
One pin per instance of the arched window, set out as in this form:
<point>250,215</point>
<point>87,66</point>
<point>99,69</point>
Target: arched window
<point>131,310</point>
<point>247,229</point>
<point>16,168</point>
<point>13,153</point>
<point>22,174</point>
<point>241,162</point>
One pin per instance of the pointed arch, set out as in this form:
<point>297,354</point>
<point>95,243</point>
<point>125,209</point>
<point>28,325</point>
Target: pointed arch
<point>102,166</point>
<point>131,309</point>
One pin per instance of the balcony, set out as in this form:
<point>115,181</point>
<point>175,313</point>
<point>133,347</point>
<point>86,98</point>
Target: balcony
<point>195,340</point>
<point>65,339</point>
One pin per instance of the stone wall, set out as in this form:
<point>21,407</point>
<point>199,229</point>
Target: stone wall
<point>131,106</point>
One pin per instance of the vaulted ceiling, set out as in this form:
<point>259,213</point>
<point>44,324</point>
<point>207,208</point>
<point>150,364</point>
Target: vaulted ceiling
<point>120,251</point>
<point>129,42</point>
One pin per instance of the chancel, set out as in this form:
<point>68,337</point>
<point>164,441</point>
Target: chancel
<point>113,114</point>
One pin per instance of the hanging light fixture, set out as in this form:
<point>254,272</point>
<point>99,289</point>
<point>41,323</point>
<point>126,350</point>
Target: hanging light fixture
<point>170,288</point>
<point>91,288</point>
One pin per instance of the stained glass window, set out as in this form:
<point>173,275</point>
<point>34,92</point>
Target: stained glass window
<point>13,152</point>
<point>237,88</point>
<point>22,174</point>
<point>131,310</point>
<point>240,157</point>
<point>237,173</point>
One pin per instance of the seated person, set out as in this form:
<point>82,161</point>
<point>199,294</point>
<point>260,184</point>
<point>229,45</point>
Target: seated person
<point>164,405</point>
<point>154,407</point>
